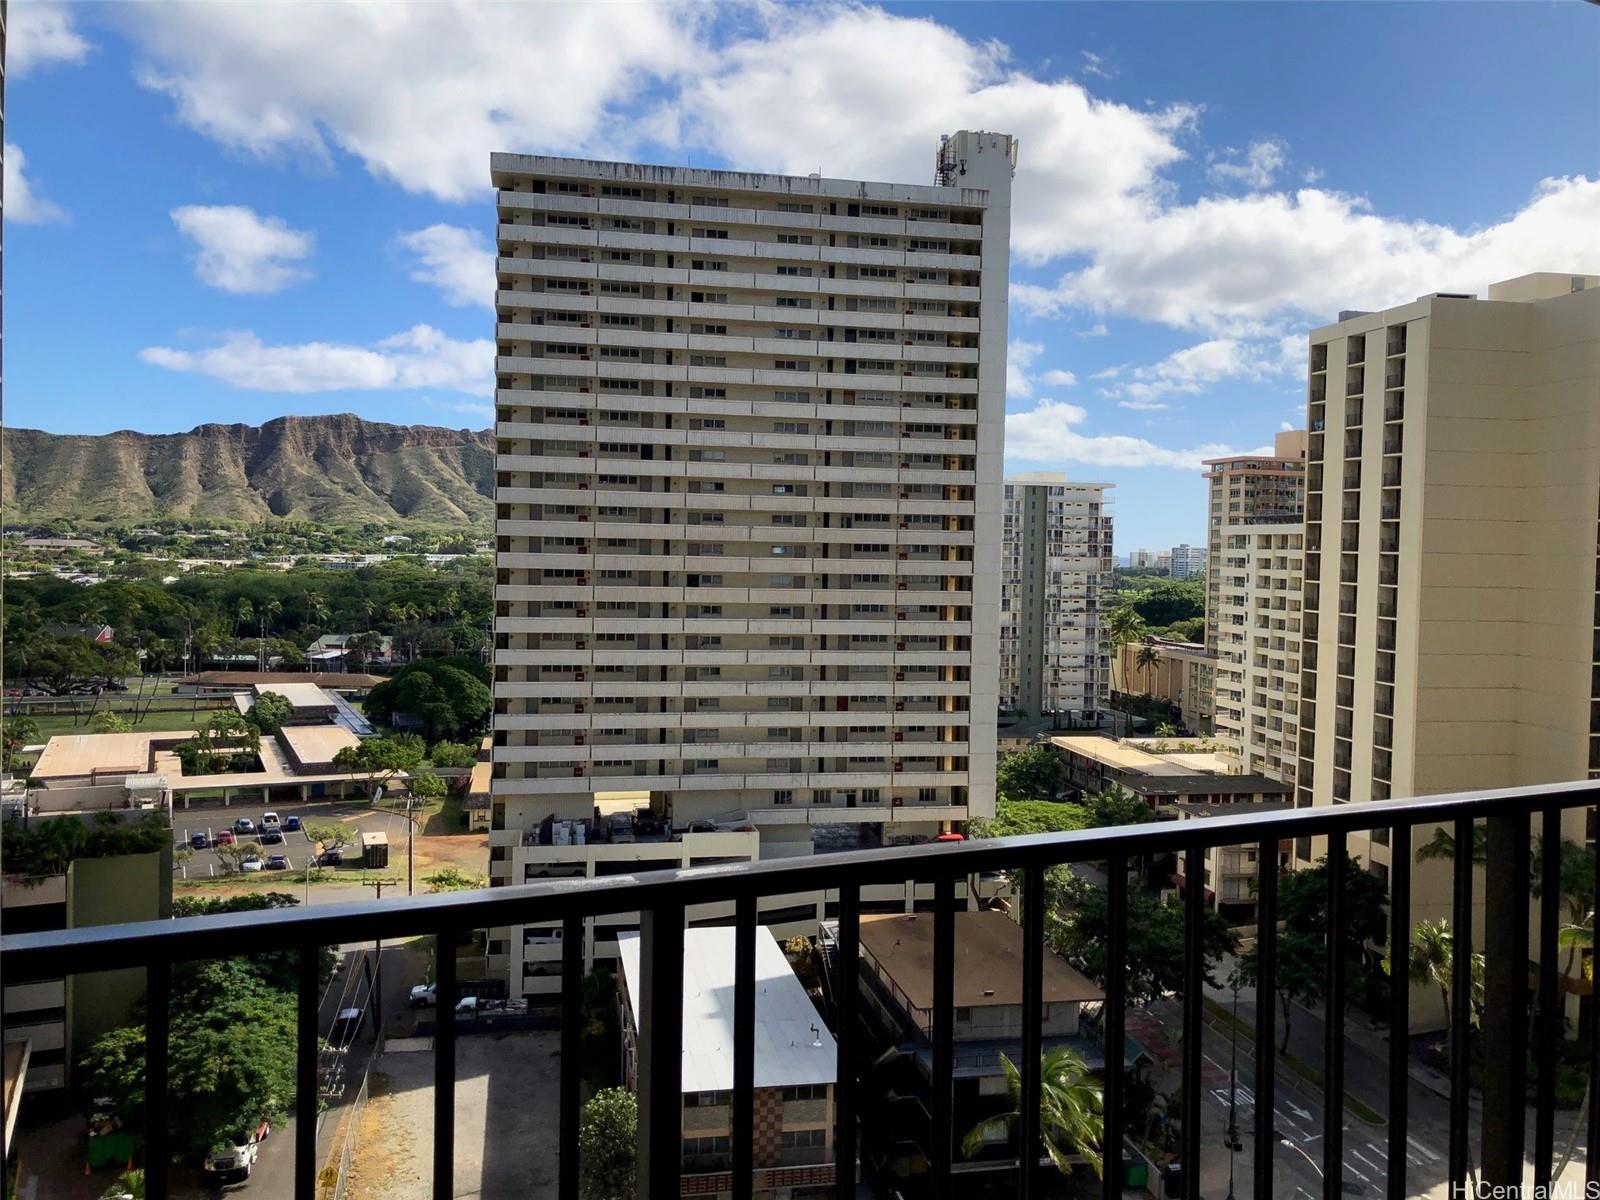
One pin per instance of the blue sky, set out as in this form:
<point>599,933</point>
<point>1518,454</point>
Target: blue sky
<point>227,212</point>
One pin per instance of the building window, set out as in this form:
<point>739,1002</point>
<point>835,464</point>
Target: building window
<point>809,1091</point>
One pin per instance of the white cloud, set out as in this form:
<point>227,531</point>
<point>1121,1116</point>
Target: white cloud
<point>1195,368</point>
<point>438,86</point>
<point>1144,405</point>
<point>1095,64</point>
<point>1256,168</point>
<point>1048,434</point>
<point>24,205</point>
<point>419,357</point>
<point>1098,329</point>
<point>457,261</point>
<point>39,33</point>
<point>242,252</point>
<point>434,88</point>
<point>1020,357</point>
<point>1058,378</point>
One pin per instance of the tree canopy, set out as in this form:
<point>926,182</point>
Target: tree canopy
<point>47,846</point>
<point>450,696</point>
<point>378,760</point>
<point>607,1155</point>
<point>270,711</point>
<point>1030,774</point>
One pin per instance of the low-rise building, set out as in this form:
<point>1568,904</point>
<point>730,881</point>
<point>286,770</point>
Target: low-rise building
<point>1160,771</point>
<point>795,1068</point>
<point>1231,871</point>
<point>226,683</point>
<point>1182,673</point>
<point>897,987</point>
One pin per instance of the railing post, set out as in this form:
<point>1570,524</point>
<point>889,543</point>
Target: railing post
<point>1399,1005</point>
<point>1333,1025</point>
<point>942,1102</point>
<point>307,1106</point>
<point>1551,1016</point>
<point>742,1127</point>
<point>1114,1024</point>
<point>1032,1027</point>
<point>571,1084</point>
<point>444,1066</point>
<point>1194,900</point>
<point>1505,999</point>
<point>1266,1013</point>
<point>157,1049</point>
<point>849,1002</point>
<point>660,1085</point>
<point>1461,1009</point>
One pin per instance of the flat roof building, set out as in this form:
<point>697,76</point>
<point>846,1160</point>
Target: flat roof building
<point>795,1060</point>
<point>1160,770</point>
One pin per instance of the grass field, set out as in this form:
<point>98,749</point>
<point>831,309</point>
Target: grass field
<point>155,722</point>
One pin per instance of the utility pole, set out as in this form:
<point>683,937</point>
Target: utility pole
<point>377,974</point>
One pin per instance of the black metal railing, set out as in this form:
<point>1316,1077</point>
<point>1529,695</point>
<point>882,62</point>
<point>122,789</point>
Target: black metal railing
<point>663,901</point>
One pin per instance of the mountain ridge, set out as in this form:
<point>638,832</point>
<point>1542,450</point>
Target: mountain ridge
<point>336,469</point>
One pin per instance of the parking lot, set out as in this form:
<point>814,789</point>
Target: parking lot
<point>296,846</point>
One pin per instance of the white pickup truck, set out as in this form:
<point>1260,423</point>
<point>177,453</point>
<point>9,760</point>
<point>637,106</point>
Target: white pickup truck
<point>237,1157</point>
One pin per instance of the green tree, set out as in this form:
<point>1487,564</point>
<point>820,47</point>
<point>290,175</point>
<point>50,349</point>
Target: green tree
<point>1114,805</point>
<point>1123,625</point>
<point>1071,1111</point>
<point>1031,774</point>
<point>225,743</point>
<point>453,755</point>
<point>1430,962</point>
<point>47,847</point>
<point>1153,957</point>
<point>1169,600</point>
<point>227,1069</point>
<point>127,1186</point>
<point>334,835</point>
<point>608,1132</point>
<point>270,711</point>
<point>109,721</point>
<point>451,700</point>
<point>425,785</point>
<point>378,760</point>
<point>1303,942</point>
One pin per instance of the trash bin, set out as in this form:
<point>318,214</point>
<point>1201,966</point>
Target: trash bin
<point>1135,1171</point>
<point>1172,1181</point>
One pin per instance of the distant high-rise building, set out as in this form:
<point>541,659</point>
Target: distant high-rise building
<point>1057,556</point>
<point>1452,485</point>
<point>1142,559</point>
<point>1186,561</point>
<point>1253,595</point>
<point>1164,561</point>
<point>748,502</point>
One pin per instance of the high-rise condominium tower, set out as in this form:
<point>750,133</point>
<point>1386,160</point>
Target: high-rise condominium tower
<point>1452,490</point>
<point>1253,600</point>
<point>1186,561</point>
<point>1057,554</point>
<point>748,496</point>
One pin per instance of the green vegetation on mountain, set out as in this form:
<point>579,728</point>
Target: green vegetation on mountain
<point>331,469</point>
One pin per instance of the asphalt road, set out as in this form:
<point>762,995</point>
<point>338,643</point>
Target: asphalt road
<point>296,845</point>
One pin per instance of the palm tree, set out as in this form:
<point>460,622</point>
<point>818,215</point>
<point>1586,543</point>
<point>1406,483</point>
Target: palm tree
<point>1430,960</point>
<point>242,613</point>
<point>271,610</point>
<point>129,1183</point>
<point>316,608</point>
<point>1146,660</point>
<point>1123,625</point>
<point>1071,1111</point>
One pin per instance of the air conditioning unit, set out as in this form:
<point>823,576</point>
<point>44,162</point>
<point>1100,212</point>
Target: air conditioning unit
<point>899,706</point>
<point>578,707</point>
<point>899,735</point>
<point>577,772</point>
<point>582,676</point>
<point>582,612</point>
<point>582,645</point>
<point>900,676</point>
<point>899,766</point>
<point>578,740</point>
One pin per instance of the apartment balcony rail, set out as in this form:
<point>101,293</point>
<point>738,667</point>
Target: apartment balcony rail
<point>664,899</point>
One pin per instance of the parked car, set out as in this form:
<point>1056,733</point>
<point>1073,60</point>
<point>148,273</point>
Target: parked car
<point>277,862</point>
<point>244,825</point>
<point>270,820</point>
<point>251,864</point>
<point>271,837</point>
<point>620,828</point>
<point>225,838</point>
<point>199,841</point>
<point>468,1005</point>
<point>425,995</point>
<point>542,936</point>
<point>332,858</point>
<point>291,823</point>
<point>236,1157</point>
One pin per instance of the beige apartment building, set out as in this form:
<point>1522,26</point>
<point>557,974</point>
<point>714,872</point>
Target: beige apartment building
<point>1452,487</point>
<point>1255,560</point>
<point>1057,554</point>
<point>749,430</point>
<point>1182,673</point>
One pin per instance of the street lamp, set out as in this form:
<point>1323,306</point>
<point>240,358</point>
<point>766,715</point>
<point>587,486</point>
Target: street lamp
<point>1232,1139</point>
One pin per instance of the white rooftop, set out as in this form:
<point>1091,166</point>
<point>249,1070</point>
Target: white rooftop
<point>785,1055</point>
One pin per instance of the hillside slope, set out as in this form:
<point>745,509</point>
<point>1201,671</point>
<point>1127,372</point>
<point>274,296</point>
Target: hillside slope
<point>334,469</point>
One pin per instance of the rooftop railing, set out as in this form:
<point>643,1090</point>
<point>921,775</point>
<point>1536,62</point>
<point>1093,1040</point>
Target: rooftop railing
<point>664,899</point>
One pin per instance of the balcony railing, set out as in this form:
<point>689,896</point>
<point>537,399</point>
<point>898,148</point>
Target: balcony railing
<point>662,902</point>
